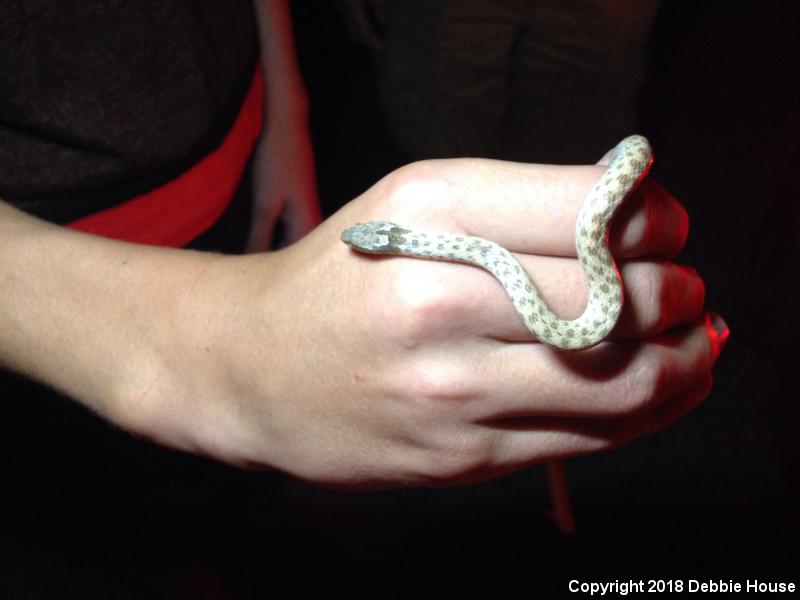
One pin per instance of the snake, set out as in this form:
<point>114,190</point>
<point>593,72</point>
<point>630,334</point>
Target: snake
<point>628,165</point>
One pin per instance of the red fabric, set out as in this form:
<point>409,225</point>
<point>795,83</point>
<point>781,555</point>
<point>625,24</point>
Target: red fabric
<point>180,210</point>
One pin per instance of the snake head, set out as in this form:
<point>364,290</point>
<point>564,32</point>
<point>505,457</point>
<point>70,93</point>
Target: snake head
<point>376,236</point>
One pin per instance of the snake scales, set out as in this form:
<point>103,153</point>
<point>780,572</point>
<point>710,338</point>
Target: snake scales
<point>629,163</point>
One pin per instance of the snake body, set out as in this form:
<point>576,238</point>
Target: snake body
<point>628,164</point>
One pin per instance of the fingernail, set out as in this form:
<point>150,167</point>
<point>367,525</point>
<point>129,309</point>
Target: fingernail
<point>722,330</point>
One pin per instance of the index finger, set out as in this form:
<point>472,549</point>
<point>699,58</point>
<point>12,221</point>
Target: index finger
<point>532,208</point>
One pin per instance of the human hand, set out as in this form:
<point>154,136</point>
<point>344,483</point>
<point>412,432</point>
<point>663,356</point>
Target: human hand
<point>284,183</point>
<point>360,371</point>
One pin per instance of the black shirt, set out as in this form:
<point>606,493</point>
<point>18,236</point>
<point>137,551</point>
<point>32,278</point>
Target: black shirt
<point>101,100</point>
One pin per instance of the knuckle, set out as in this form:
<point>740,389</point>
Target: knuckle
<point>642,385</point>
<point>665,295</point>
<point>666,221</point>
<point>650,294</point>
<point>676,296</point>
<point>456,460</point>
<point>415,189</point>
<point>668,299</point>
<point>439,386</point>
<point>420,304</point>
<point>448,449</point>
<point>679,228</point>
<point>696,291</point>
<point>657,293</point>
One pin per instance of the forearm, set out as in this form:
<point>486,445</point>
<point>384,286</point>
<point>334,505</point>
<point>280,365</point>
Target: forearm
<point>286,95</point>
<point>84,314</point>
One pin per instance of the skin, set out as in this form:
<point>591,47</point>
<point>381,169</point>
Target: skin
<point>368,372</point>
<point>284,181</point>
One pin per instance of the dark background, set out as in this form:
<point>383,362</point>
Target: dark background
<point>714,497</point>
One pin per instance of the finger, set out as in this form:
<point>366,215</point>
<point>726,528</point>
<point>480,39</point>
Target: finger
<point>531,209</point>
<point>264,216</point>
<point>665,415</point>
<point>260,238</point>
<point>611,380</point>
<point>302,213</point>
<point>606,159</point>
<point>659,295</point>
<point>651,223</point>
<point>525,441</point>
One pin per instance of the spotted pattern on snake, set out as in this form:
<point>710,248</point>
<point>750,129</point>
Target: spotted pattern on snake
<point>629,163</point>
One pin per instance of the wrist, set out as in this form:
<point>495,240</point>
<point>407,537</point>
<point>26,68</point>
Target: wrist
<point>290,107</point>
<point>205,371</point>
<point>150,393</point>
